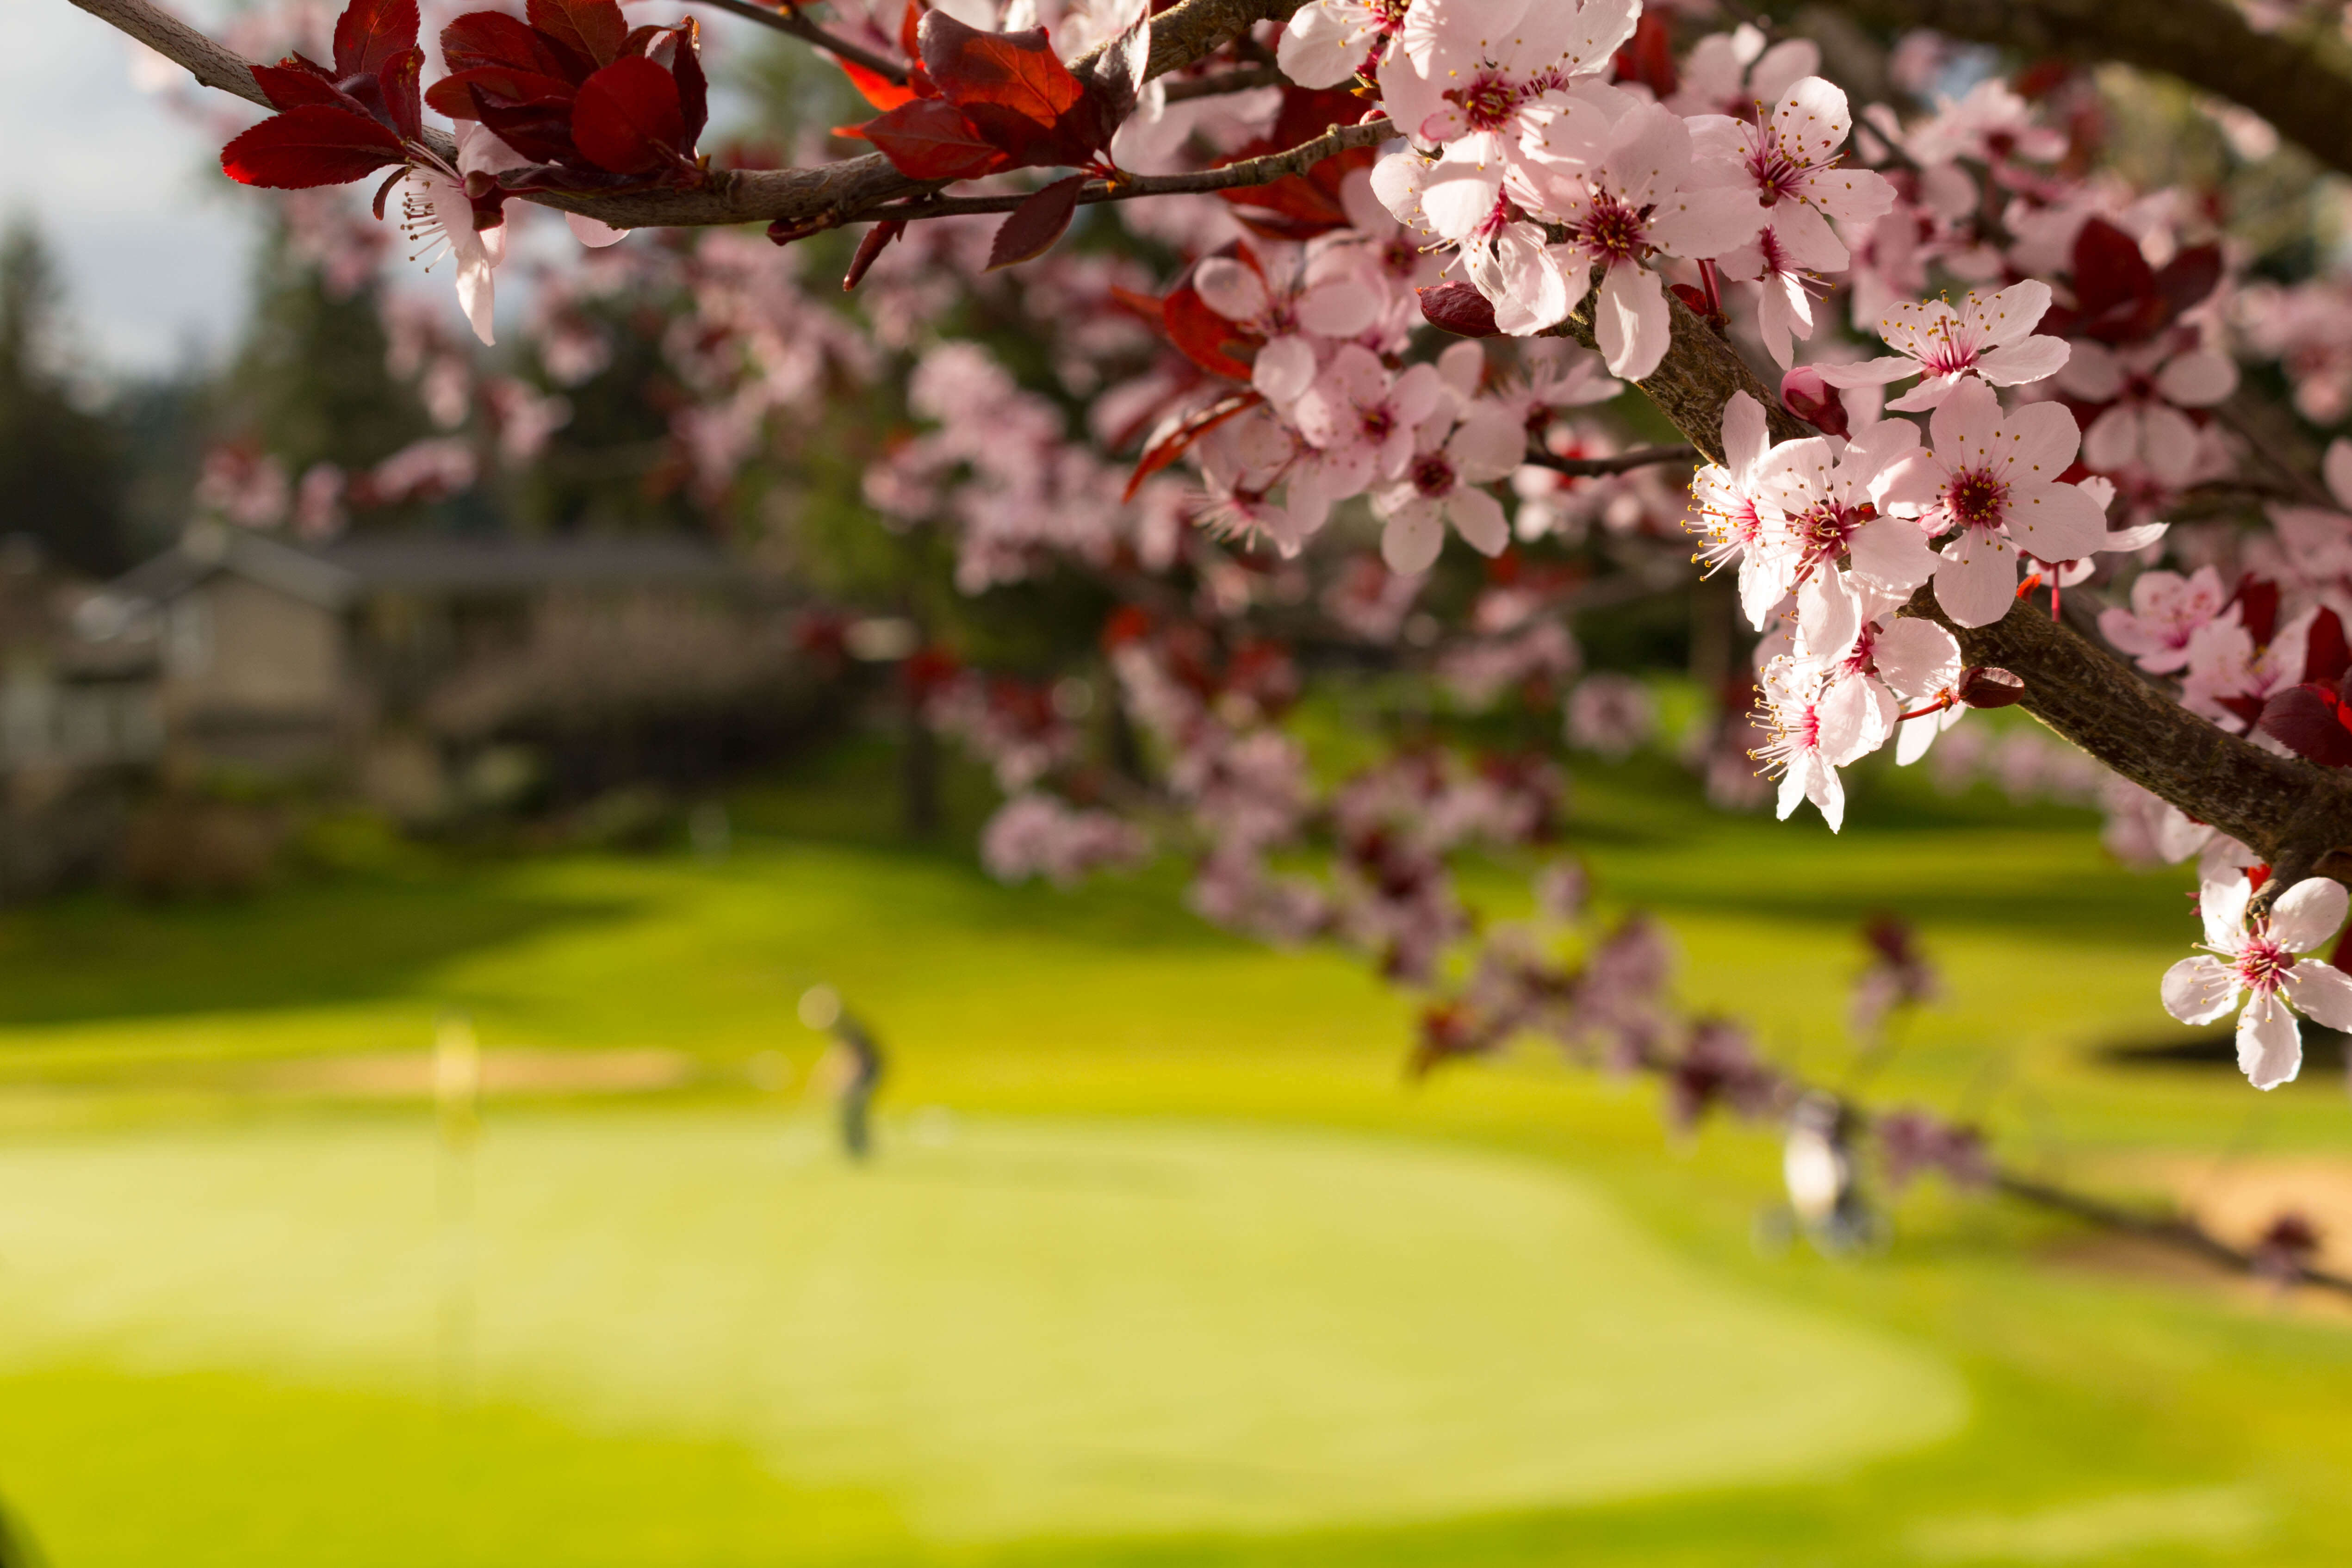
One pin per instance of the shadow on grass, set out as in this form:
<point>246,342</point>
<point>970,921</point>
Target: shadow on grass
<point>101,956</point>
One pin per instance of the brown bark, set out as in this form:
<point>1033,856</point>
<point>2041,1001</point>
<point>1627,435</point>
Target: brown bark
<point>2205,43</point>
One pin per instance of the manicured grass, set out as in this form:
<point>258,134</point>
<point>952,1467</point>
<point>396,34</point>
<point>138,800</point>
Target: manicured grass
<point>1009,1329</point>
<point>1185,1274</point>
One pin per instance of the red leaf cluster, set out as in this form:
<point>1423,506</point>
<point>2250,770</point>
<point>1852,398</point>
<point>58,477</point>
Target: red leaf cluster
<point>2118,297</point>
<point>593,102</point>
<point>1301,206</point>
<point>982,103</point>
<point>2315,719</point>
<point>341,125</point>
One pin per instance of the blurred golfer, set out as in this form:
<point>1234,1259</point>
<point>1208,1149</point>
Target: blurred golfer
<point>1818,1164</point>
<point>857,1064</point>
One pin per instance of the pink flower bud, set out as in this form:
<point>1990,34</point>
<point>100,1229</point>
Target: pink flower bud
<point>1810,398</point>
<point>1982,686</point>
<point>1459,309</point>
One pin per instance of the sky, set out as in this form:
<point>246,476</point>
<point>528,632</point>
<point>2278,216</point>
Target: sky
<point>151,240</point>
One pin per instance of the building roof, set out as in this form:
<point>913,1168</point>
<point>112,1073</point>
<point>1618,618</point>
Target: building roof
<point>336,575</point>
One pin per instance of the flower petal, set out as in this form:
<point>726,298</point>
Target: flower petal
<point>2201,990</point>
<point>1978,580</point>
<point>2270,1043</point>
<point>1412,538</point>
<point>2321,991</point>
<point>2308,914</point>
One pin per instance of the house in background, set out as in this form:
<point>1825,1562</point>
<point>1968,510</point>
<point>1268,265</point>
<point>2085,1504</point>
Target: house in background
<point>322,661</point>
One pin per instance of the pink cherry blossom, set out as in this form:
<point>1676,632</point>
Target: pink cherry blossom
<point>1330,40</point>
<point>1442,486</point>
<point>1623,189</point>
<point>1993,478</point>
<point>2225,663</point>
<point>1363,420</point>
<point>1726,498</point>
<point>1323,295</point>
<point>1988,337</point>
<point>441,218</point>
<point>1788,267</point>
<point>1821,500</point>
<point>2145,387</point>
<point>2167,610</point>
<point>1921,663</point>
<point>1793,161</point>
<point>1733,73</point>
<point>1818,725</point>
<point>2255,962</point>
<point>1470,71</point>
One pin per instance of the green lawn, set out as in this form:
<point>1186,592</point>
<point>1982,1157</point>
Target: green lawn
<point>1163,1263</point>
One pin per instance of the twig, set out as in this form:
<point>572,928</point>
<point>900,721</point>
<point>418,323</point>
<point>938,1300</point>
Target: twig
<point>1239,80</point>
<point>1595,467</point>
<point>790,20</point>
<point>2174,1230</point>
<point>1249,171</point>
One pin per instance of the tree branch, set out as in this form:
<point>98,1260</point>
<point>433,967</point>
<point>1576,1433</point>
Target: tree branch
<point>1623,462</point>
<point>1696,378</point>
<point>2205,43</point>
<point>789,20</point>
<point>2294,813</point>
<point>2289,811</point>
<point>1249,171</point>
<point>808,199</point>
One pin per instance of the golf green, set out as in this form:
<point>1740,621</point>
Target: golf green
<point>1006,1328</point>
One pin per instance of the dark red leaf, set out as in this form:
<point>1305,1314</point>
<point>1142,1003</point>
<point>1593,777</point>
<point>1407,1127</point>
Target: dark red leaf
<point>2310,721</point>
<point>1031,228</point>
<point>1015,93</point>
<point>929,138</point>
<point>541,131</point>
<point>2257,600</point>
<point>874,86</point>
<point>310,145</point>
<point>1015,71</point>
<point>371,32</point>
<point>1179,441</point>
<point>2189,277</point>
<point>693,88</point>
<point>910,25</point>
<point>501,85</point>
<point>1201,334</point>
<point>628,118</point>
<point>482,38</point>
<point>2326,657</point>
<point>869,249</point>
<point>2109,269</point>
<point>398,84</point>
<point>294,82</point>
<point>1648,57</point>
<point>1458,308</point>
<point>593,29</point>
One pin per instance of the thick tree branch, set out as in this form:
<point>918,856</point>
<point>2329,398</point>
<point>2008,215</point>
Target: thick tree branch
<point>810,199</point>
<point>2205,43</point>
<point>1241,175</point>
<point>1696,378</point>
<point>2292,812</point>
<point>789,20</point>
